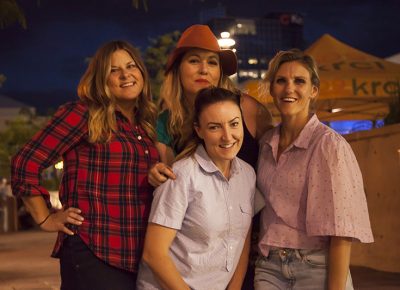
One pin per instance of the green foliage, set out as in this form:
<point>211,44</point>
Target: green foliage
<point>156,56</point>
<point>12,139</point>
<point>10,13</point>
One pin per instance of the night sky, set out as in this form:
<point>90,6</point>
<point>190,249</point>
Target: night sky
<point>43,63</point>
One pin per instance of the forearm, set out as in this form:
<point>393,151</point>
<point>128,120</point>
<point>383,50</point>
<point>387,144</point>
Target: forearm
<point>165,272</point>
<point>240,272</point>
<point>339,262</point>
<point>37,207</point>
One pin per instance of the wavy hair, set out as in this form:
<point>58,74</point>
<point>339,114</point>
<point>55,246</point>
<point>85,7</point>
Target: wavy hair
<point>180,110</point>
<point>94,92</point>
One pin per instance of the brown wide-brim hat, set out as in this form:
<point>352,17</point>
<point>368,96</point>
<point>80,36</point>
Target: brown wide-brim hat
<point>201,36</point>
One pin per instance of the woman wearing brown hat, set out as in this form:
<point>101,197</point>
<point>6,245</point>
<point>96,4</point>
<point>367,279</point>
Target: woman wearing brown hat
<point>198,62</point>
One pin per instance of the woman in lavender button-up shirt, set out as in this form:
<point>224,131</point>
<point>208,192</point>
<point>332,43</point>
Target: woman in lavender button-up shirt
<point>315,200</point>
<point>198,233</point>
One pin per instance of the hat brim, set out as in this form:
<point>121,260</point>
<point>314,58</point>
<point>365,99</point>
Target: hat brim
<point>227,58</point>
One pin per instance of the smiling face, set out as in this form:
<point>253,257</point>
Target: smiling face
<point>292,90</point>
<point>220,126</point>
<point>125,80</point>
<point>199,69</point>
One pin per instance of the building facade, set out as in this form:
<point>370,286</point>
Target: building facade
<point>257,40</point>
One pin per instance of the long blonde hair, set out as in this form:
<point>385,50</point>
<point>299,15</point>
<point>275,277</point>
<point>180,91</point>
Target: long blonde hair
<point>180,122</point>
<point>94,92</point>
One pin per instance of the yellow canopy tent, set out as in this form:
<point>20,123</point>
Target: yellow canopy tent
<point>354,85</point>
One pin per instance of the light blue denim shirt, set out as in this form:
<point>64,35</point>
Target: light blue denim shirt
<point>212,216</point>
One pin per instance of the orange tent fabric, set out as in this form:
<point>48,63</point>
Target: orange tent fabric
<point>354,84</point>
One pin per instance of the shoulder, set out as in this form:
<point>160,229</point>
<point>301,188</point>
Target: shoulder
<point>256,113</point>
<point>74,106</point>
<point>246,168</point>
<point>185,167</point>
<point>250,103</point>
<point>330,144</point>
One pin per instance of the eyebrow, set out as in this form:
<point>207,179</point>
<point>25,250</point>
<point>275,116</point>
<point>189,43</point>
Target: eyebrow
<point>217,123</point>
<point>130,62</point>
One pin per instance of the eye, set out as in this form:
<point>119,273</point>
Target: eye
<point>114,70</point>
<point>213,127</point>
<point>280,81</point>
<point>213,62</point>
<point>235,124</point>
<point>132,66</point>
<point>299,81</point>
<point>193,60</point>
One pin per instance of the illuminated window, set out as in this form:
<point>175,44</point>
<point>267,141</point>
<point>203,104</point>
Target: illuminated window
<point>252,61</point>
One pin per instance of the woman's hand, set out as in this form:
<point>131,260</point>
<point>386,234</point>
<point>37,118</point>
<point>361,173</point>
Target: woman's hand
<point>56,222</point>
<point>159,173</point>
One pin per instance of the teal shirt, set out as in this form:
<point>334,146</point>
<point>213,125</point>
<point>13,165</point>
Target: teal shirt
<point>162,132</point>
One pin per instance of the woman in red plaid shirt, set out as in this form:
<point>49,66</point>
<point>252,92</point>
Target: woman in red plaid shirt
<point>106,142</point>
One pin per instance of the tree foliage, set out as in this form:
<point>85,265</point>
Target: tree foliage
<point>10,12</point>
<point>12,139</point>
<point>156,56</point>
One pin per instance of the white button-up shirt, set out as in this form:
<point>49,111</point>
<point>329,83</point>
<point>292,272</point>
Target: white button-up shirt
<point>212,216</point>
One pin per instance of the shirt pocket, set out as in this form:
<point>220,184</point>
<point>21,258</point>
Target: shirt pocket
<point>246,211</point>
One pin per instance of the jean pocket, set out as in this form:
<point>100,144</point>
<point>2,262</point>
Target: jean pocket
<point>315,260</point>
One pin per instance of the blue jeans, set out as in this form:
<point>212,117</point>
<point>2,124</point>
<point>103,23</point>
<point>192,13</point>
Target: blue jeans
<point>291,269</point>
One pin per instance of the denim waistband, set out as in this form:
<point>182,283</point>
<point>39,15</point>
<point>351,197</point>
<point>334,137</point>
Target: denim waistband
<point>298,253</point>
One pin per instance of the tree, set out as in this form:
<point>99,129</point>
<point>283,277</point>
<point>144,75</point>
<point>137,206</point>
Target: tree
<point>17,134</point>
<point>10,12</point>
<point>156,56</point>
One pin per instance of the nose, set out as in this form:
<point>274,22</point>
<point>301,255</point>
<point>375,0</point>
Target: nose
<point>203,67</point>
<point>124,74</point>
<point>289,87</point>
<point>226,133</point>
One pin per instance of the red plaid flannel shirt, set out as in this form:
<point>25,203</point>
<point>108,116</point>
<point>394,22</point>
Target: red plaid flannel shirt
<point>108,182</point>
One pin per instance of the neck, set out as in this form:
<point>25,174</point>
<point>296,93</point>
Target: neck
<point>225,168</point>
<point>290,129</point>
<point>128,112</point>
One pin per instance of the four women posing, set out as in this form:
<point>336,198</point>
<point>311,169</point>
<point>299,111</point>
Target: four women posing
<point>198,235</point>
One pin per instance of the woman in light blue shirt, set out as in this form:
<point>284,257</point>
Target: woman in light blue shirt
<point>198,233</point>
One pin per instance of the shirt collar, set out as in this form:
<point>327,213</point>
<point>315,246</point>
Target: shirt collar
<point>208,165</point>
<point>302,141</point>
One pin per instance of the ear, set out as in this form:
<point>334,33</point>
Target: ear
<point>198,131</point>
<point>314,92</point>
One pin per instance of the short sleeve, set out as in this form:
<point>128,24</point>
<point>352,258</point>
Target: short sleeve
<point>162,131</point>
<point>336,202</point>
<point>171,200</point>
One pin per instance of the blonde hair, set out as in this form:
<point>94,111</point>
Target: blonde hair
<point>94,92</point>
<point>180,122</point>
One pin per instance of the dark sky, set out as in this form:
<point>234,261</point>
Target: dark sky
<point>43,63</point>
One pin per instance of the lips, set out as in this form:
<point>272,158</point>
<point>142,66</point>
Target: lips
<point>226,146</point>
<point>202,81</point>
<point>129,84</point>
<point>288,100</point>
